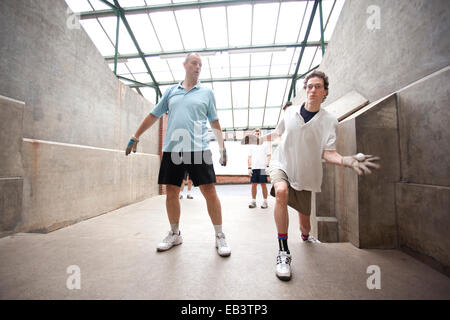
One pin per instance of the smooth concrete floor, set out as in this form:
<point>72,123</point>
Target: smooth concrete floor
<point>117,257</point>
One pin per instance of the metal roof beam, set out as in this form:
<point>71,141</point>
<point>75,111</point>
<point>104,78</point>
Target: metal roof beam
<point>166,83</point>
<point>257,48</point>
<point>313,13</point>
<point>171,7</point>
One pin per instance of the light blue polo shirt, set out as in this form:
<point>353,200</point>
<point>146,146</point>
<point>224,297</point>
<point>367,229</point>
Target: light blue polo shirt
<point>188,112</point>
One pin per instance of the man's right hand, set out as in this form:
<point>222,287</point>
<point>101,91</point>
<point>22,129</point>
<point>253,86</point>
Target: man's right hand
<point>251,139</point>
<point>132,145</point>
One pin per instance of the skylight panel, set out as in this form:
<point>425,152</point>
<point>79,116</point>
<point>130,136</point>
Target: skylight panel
<point>240,64</point>
<point>291,14</point>
<point>276,92</point>
<point>149,94</point>
<point>225,118</point>
<point>136,65</point>
<point>222,93</point>
<point>160,69</point>
<point>78,5</point>
<point>239,24</point>
<point>240,93</point>
<point>258,91</point>
<point>143,31</point>
<point>133,3</point>
<point>241,118</point>
<point>219,66</point>
<point>260,64</point>
<point>98,5</point>
<point>190,28</point>
<point>166,29</point>
<point>264,23</point>
<point>215,26</point>
<point>271,117</point>
<point>176,66</point>
<point>333,19</point>
<point>256,117</point>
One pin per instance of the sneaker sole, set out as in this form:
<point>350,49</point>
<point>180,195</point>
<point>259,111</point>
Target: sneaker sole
<point>161,250</point>
<point>284,278</point>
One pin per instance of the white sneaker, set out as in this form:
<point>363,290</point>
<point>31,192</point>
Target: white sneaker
<point>222,248</point>
<point>171,240</point>
<point>283,269</point>
<point>252,205</point>
<point>311,239</point>
<point>264,205</point>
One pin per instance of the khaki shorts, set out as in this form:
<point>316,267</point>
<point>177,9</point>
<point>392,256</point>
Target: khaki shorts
<point>299,200</point>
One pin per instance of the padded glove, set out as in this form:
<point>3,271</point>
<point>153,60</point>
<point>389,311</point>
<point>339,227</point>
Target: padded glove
<point>132,145</point>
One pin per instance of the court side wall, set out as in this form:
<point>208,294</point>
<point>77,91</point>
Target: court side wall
<point>66,120</point>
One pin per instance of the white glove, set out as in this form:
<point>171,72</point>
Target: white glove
<point>267,171</point>
<point>250,172</point>
<point>360,163</point>
<point>251,139</point>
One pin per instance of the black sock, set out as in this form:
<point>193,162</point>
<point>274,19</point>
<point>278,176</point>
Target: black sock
<point>282,242</point>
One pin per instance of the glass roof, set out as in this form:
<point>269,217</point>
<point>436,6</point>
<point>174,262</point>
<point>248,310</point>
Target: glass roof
<point>250,49</point>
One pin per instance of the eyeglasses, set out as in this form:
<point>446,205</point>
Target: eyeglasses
<point>317,86</point>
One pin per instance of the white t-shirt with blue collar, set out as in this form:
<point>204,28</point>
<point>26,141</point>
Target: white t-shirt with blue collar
<point>188,112</point>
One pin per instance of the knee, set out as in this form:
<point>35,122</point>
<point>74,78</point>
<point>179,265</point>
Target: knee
<point>208,191</point>
<point>282,195</point>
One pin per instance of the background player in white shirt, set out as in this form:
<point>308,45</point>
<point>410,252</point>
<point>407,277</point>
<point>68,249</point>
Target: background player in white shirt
<point>258,161</point>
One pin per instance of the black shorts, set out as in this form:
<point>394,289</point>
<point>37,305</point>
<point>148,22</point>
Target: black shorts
<point>174,166</point>
<point>259,176</point>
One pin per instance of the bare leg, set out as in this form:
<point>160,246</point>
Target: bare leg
<point>264,190</point>
<point>189,185</point>
<point>305,223</point>
<point>281,210</point>
<point>254,185</point>
<point>212,203</point>
<point>173,203</point>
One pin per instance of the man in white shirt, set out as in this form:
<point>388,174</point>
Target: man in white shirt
<point>258,161</point>
<point>308,135</point>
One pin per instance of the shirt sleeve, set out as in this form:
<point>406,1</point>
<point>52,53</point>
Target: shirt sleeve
<point>331,140</point>
<point>280,127</point>
<point>163,105</point>
<point>212,112</point>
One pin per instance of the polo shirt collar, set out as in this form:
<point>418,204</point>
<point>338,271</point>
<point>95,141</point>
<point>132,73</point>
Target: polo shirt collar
<point>197,86</point>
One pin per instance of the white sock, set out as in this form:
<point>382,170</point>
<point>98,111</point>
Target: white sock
<point>218,228</point>
<point>253,200</point>
<point>265,201</point>
<point>175,228</point>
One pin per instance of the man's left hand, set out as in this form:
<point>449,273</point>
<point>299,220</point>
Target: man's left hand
<point>361,163</point>
<point>223,157</point>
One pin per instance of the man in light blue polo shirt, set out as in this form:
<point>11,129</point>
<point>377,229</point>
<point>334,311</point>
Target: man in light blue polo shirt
<point>186,149</point>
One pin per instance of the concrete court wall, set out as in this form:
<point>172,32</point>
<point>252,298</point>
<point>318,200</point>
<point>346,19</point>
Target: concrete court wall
<point>70,120</point>
<point>404,66</point>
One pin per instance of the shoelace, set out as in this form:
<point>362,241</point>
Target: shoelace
<point>169,237</point>
<point>283,259</point>
<point>222,242</point>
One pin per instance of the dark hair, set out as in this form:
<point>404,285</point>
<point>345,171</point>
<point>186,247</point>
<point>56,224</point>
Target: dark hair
<point>317,74</point>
